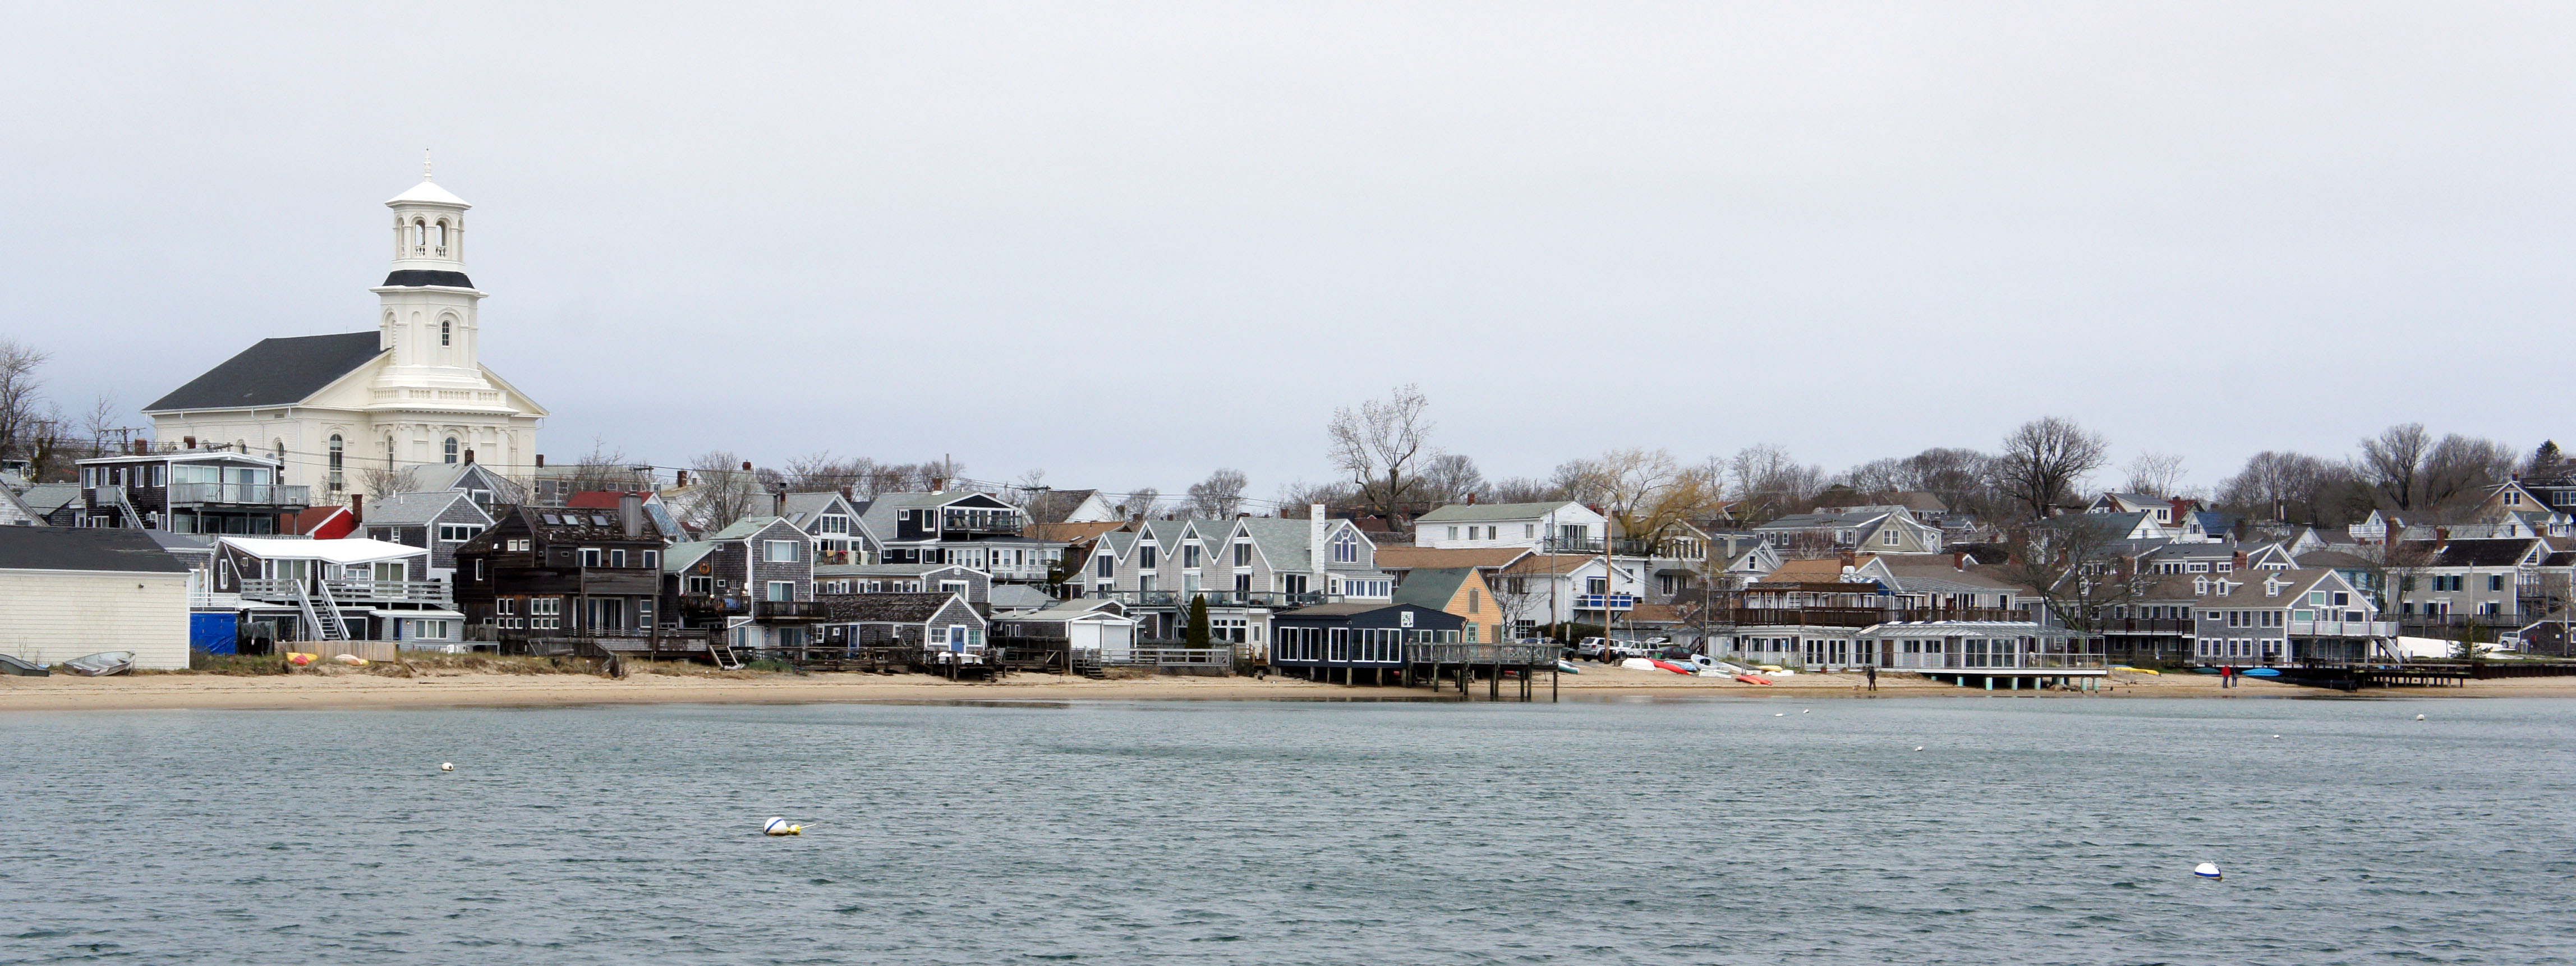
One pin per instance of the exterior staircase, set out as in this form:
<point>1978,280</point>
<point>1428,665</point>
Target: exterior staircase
<point>720,650</point>
<point>323,630</point>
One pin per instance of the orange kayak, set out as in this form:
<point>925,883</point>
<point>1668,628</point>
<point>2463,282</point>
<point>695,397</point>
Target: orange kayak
<point>1675,668</point>
<point>1750,679</point>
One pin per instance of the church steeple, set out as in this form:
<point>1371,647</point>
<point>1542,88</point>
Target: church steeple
<point>429,303</point>
<point>429,232</point>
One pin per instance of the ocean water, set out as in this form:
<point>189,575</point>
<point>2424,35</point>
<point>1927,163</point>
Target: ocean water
<point>1672,831</point>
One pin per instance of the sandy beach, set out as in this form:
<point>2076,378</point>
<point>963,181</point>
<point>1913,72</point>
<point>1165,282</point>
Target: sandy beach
<point>342,688</point>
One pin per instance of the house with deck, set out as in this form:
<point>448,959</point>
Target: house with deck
<point>439,521</point>
<point>541,577</point>
<point>190,491</point>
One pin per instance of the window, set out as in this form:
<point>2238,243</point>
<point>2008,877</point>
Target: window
<point>1108,566</point>
<point>519,545</point>
<point>478,568</point>
<point>2495,582</point>
<point>545,613</point>
<point>957,587</point>
<point>590,556</point>
<point>833,523</point>
<point>1145,557</point>
<point>1243,582</point>
<point>782,590</point>
<point>1243,555</point>
<point>1888,538</point>
<point>1189,555</point>
<point>1346,549</point>
<point>617,558</point>
<point>1453,533</point>
<point>700,585</point>
<point>1596,585</point>
<point>336,465</point>
<point>1475,602</point>
<point>457,532</point>
<point>779,551</point>
<point>449,450</point>
<point>444,332</point>
<point>1529,531</point>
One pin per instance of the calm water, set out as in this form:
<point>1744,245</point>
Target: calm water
<point>2026,831</point>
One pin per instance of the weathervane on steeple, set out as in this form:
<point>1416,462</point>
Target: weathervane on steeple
<point>424,165</point>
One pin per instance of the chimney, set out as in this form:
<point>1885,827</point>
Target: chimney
<point>679,480</point>
<point>189,441</point>
<point>2181,509</point>
<point>2240,560</point>
<point>630,514</point>
<point>141,447</point>
<point>746,466</point>
<point>1471,499</point>
<point>778,503</point>
<point>1315,542</point>
<point>2441,538</point>
<point>469,457</point>
<point>541,461</point>
<point>1850,559</point>
<point>357,508</point>
<point>845,493</point>
<point>1959,560</point>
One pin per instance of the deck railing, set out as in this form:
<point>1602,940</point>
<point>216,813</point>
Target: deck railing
<point>240,494</point>
<point>288,589</point>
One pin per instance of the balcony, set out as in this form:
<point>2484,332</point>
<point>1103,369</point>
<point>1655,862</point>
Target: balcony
<point>1217,598</point>
<point>976,522</point>
<point>788,610</point>
<point>1592,545</point>
<point>1866,616</point>
<point>286,590</point>
<point>2343,628</point>
<point>240,494</point>
<point>2149,625</point>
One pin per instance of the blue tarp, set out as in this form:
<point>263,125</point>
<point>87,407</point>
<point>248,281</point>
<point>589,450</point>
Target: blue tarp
<point>213,633</point>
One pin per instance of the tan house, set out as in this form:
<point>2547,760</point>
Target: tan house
<point>1461,591</point>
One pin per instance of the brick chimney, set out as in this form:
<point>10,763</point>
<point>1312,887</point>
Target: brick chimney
<point>2181,509</point>
<point>1850,559</point>
<point>1959,560</point>
<point>2240,560</point>
<point>541,461</point>
<point>1471,499</point>
<point>469,457</point>
<point>357,508</point>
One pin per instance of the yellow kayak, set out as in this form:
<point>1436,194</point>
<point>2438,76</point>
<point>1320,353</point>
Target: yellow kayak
<point>1773,668</point>
<point>2140,670</point>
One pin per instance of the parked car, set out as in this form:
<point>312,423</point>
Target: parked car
<point>1590,648</point>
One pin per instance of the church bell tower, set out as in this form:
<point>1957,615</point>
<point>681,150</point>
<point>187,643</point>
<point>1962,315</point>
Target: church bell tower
<point>428,316</point>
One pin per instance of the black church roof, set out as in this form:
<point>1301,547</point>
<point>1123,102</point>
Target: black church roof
<point>276,372</point>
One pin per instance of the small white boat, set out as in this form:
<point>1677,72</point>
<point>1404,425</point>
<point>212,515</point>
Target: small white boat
<point>1639,664</point>
<point>1564,666</point>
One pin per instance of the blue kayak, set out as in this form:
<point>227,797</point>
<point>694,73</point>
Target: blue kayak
<point>2204,670</point>
<point>2261,672</point>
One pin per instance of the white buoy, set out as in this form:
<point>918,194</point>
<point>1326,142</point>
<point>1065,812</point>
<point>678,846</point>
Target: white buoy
<point>1918,747</point>
<point>779,826</point>
<point>1806,710</point>
<point>2419,717</point>
<point>2276,737</point>
<point>446,766</point>
<point>1779,714</point>
<point>2206,870</point>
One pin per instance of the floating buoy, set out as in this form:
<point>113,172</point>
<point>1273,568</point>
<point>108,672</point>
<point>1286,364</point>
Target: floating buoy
<point>2276,737</point>
<point>1918,747</point>
<point>779,826</point>
<point>2206,870</point>
<point>2419,717</point>
<point>1806,710</point>
<point>1779,714</point>
<point>446,766</point>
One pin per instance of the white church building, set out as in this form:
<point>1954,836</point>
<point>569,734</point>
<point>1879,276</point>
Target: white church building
<point>412,393</point>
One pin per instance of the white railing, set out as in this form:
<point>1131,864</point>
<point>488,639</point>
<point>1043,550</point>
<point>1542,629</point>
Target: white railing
<point>2343,628</point>
<point>244,494</point>
<point>411,591</point>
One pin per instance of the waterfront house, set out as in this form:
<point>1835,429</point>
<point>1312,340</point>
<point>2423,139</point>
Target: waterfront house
<point>974,586</point>
<point>840,537</point>
<point>541,574</point>
<point>1078,636</point>
<point>1878,529</point>
<point>190,491</point>
<point>752,581</point>
<point>67,592</point>
<point>336,593</point>
<point>924,624</point>
<point>1353,639</point>
<point>1461,592</point>
<point>1557,526</point>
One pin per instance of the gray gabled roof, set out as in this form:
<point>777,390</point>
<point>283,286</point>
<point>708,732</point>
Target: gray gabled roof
<point>1432,588</point>
<point>686,554</point>
<point>275,372</point>
<point>1482,512</point>
<point>44,498</point>
<point>416,509</point>
<point>105,550</point>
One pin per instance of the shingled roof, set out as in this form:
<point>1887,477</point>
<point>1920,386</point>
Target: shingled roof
<point>276,372</point>
<point>111,550</point>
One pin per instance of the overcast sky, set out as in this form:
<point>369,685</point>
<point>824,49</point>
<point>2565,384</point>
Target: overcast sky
<point>1132,244</point>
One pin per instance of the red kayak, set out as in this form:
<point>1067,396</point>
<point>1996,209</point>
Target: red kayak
<point>1675,668</point>
<point>1750,679</point>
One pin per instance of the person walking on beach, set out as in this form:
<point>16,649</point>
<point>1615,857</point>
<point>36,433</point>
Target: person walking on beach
<point>1872,671</point>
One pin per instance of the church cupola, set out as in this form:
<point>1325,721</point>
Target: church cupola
<point>429,235</point>
<point>429,318</point>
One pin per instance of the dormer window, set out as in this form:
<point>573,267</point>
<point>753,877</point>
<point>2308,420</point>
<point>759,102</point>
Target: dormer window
<point>2199,586</point>
<point>1346,549</point>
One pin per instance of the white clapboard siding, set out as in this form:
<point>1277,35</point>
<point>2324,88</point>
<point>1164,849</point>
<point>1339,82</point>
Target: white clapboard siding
<point>51,616</point>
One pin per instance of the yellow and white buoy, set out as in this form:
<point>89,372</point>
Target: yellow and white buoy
<point>779,826</point>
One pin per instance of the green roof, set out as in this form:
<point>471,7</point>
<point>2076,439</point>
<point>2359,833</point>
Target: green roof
<point>1481,512</point>
<point>1433,588</point>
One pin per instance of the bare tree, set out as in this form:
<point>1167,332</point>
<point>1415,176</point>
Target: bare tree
<point>1522,489</point>
<point>824,473</point>
<point>2155,474</point>
<point>1219,496</point>
<point>2045,460</point>
<point>1296,497</point>
<point>1381,445</point>
<point>1770,481</point>
<point>379,482</point>
<point>2073,563</point>
<point>1646,493</point>
<point>722,491</point>
<point>2393,464</point>
<point>21,395</point>
<point>100,427</point>
<point>1451,478</point>
<point>1141,501</point>
<point>607,468</point>
<point>2460,469</point>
